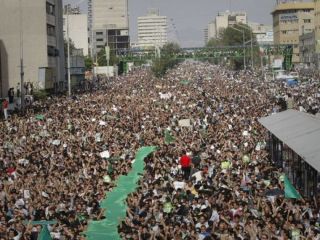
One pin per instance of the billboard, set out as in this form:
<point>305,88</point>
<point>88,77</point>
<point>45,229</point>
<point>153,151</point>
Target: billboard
<point>288,17</point>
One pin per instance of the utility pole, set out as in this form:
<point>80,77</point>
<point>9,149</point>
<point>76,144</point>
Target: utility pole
<point>68,44</point>
<point>251,36</point>
<point>244,51</point>
<point>252,51</point>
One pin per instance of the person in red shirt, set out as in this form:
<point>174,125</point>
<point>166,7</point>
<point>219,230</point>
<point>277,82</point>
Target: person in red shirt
<point>185,162</point>
<point>5,105</point>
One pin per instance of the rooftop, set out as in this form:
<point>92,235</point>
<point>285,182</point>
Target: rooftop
<point>300,131</point>
<point>293,6</point>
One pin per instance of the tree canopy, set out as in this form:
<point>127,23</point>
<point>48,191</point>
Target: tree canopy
<point>167,59</point>
<point>232,37</point>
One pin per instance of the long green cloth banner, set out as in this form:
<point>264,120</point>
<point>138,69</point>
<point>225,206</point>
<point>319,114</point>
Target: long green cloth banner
<point>115,203</point>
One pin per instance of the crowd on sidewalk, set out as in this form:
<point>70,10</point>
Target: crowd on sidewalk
<point>210,182</point>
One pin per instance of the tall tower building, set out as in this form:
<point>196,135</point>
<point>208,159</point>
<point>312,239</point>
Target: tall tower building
<point>109,25</point>
<point>152,30</point>
<point>32,31</point>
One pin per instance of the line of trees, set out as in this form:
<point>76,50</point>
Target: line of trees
<point>232,37</point>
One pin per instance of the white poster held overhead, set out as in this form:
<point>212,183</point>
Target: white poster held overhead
<point>185,123</point>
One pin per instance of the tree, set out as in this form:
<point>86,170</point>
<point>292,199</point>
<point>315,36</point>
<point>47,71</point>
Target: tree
<point>88,63</point>
<point>170,49</point>
<point>167,60</point>
<point>232,37</point>
<point>214,42</point>
<point>101,58</point>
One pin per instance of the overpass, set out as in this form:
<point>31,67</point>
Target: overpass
<point>207,53</point>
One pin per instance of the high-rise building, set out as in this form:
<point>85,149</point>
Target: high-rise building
<point>291,19</point>
<point>224,20</point>
<point>109,25</point>
<point>78,28</point>
<point>152,30</point>
<point>32,31</point>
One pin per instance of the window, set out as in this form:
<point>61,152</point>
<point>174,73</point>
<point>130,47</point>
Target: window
<point>50,9</point>
<point>99,40</point>
<point>52,51</point>
<point>99,33</point>
<point>307,20</point>
<point>51,30</point>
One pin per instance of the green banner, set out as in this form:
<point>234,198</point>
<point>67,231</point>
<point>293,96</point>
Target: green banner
<point>115,203</point>
<point>168,138</point>
<point>40,117</point>
<point>185,82</point>
<point>44,234</point>
<point>289,190</point>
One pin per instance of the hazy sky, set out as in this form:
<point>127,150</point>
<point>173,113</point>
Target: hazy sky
<point>188,18</point>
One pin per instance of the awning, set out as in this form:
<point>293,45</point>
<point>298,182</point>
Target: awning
<point>300,131</point>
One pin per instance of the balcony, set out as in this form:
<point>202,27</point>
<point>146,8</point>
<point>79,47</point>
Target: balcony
<point>52,41</point>
<point>52,62</point>
<point>51,20</point>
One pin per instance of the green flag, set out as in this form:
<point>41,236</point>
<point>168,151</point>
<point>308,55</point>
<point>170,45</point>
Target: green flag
<point>185,82</point>
<point>168,138</point>
<point>289,190</point>
<point>44,234</point>
<point>40,117</point>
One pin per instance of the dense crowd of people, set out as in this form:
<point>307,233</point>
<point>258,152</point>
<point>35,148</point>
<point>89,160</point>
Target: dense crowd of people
<point>209,183</point>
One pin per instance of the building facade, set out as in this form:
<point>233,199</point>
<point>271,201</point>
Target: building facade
<point>307,45</point>
<point>109,23</point>
<point>263,33</point>
<point>292,19</point>
<point>317,32</point>
<point>78,29</point>
<point>152,30</point>
<point>32,30</point>
<point>224,20</point>
<point>206,36</point>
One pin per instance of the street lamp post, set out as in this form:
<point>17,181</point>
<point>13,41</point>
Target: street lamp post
<point>251,36</point>
<point>244,46</point>
<point>68,49</point>
<point>22,105</point>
